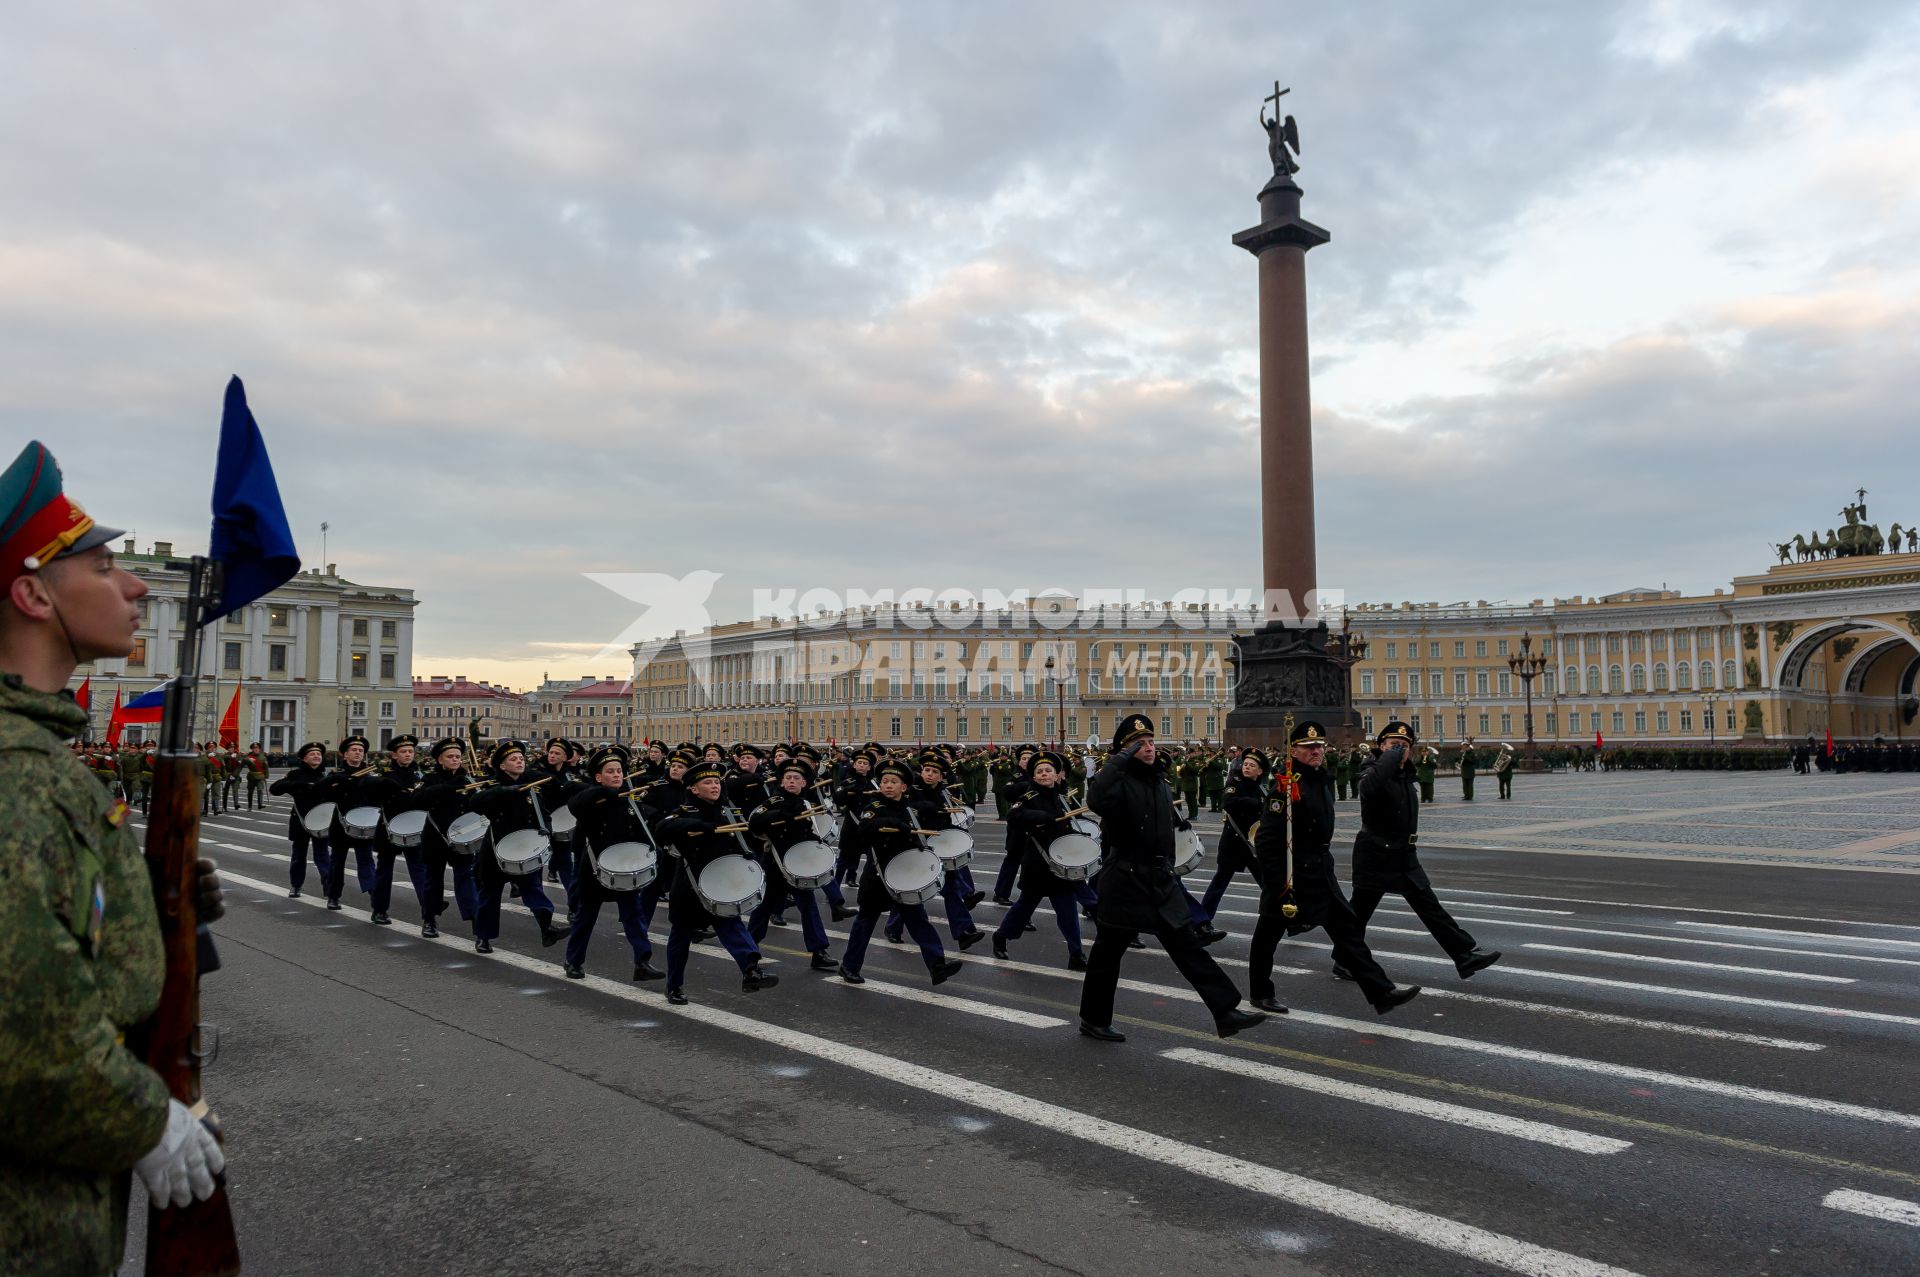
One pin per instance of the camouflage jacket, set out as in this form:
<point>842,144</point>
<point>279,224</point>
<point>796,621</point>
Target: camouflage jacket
<point>80,963</point>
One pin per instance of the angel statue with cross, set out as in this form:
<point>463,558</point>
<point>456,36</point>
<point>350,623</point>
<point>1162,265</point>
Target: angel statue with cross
<point>1282,134</point>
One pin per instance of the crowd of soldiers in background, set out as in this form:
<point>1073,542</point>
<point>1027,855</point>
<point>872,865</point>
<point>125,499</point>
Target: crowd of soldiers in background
<point>231,777</point>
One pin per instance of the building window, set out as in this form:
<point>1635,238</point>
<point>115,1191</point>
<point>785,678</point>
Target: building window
<point>1640,722</point>
<point>1413,682</point>
<point>1393,651</point>
<point>1459,647</point>
<point>960,727</point>
<point>1613,643</point>
<point>1706,675</point>
<point>893,723</point>
<point>138,656</point>
<point>389,629</point>
<point>1433,651</point>
<point>1186,727</point>
<point>1639,678</point>
<point>1686,718</point>
<point>1459,682</point>
<point>230,657</point>
<point>1619,722</point>
<point>919,726</point>
<point>1551,729</point>
<point>276,658</point>
<point>1393,682</point>
<point>1729,718</point>
<point>386,665</point>
<point>1506,724</point>
<point>1660,677</point>
<point>1615,679</point>
<point>386,709</point>
<point>360,628</point>
<point>1506,683</point>
<point>1480,682</point>
<point>1479,647</point>
<point>360,665</point>
<point>1683,676</point>
<point>1500,648</point>
<point>1729,677</point>
<point>277,618</point>
<point>1367,724</point>
<point>1660,720</point>
<point>1366,682</point>
<point>1484,728</point>
<point>1213,726</point>
<point>1573,721</point>
<point>1573,680</point>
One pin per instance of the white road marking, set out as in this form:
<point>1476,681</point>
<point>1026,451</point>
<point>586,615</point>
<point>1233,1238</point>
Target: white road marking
<point>1634,904</point>
<point>1810,935</point>
<point>1493,1249</point>
<point>1665,939</point>
<point>1581,1013</point>
<point>1025,1018</point>
<point>1874,1206</point>
<point>1400,1102</point>
<point>1706,995</point>
<point>1618,956</point>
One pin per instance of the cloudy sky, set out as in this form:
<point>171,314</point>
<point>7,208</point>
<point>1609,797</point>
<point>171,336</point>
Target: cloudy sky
<point>866,295</point>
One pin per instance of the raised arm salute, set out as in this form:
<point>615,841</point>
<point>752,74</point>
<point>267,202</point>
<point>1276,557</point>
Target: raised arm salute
<point>1138,888</point>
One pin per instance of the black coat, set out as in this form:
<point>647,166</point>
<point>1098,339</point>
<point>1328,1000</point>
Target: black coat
<point>1137,886</point>
<point>691,828</point>
<point>308,787</point>
<point>884,832</point>
<point>1033,822</point>
<point>1389,815</point>
<point>1242,802</point>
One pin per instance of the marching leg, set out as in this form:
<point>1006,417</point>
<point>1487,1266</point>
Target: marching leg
<point>1103,977</point>
<point>939,965</point>
<point>628,903</point>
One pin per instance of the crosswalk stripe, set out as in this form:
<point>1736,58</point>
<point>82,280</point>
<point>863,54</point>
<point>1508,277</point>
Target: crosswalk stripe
<point>1809,935</point>
<point>1874,1206</point>
<point>1401,1102</point>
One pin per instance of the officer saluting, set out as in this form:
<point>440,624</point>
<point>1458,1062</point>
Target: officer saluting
<point>80,949</point>
<point>1386,857</point>
<point>1138,889</point>
<point>1306,803</point>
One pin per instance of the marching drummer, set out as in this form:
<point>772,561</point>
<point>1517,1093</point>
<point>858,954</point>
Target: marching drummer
<point>695,829</point>
<point>1036,817</point>
<point>931,808</point>
<point>784,821</point>
<point>352,786</point>
<point>608,817</point>
<point>509,806</point>
<point>307,783</point>
<point>563,781</point>
<point>396,782</point>
<point>443,797</point>
<point>886,831</point>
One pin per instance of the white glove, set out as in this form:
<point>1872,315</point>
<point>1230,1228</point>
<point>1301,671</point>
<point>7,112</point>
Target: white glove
<point>181,1167</point>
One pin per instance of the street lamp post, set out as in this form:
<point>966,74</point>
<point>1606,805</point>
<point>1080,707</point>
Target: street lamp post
<point>1059,722</point>
<point>1528,665</point>
<point>793,719</point>
<point>957,705</point>
<point>1460,704</point>
<point>1711,699</point>
<point>1216,705</point>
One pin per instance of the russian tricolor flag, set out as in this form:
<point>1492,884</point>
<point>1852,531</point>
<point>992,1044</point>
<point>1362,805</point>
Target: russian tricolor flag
<point>144,708</point>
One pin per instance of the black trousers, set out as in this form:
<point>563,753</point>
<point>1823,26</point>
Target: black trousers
<point>1411,885</point>
<point>1321,902</point>
<point>1199,968</point>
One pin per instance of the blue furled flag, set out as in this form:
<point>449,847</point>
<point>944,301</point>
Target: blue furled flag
<point>251,540</point>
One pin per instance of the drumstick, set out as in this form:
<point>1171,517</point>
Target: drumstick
<point>1077,811</point>
<point>729,829</point>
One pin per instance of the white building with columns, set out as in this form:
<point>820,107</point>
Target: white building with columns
<point>317,659</point>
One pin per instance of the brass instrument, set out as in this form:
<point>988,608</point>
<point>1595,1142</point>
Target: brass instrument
<point>1288,909</point>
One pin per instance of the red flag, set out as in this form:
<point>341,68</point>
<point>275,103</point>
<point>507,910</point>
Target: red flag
<point>84,697</point>
<point>1598,741</point>
<point>1829,742</point>
<point>230,723</point>
<point>113,722</point>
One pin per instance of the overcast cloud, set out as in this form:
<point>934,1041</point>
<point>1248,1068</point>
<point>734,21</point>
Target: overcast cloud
<point>943,294</point>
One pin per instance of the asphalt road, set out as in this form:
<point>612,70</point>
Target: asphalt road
<point>1680,1068</point>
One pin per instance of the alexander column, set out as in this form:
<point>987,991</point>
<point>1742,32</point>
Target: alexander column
<point>1291,664</point>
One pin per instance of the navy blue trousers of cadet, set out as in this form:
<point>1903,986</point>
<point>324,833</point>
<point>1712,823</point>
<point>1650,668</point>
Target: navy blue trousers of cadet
<point>486,922</point>
<point>297,861</point>
<point>732,936</point>
<point>1009,872</point>
<point>631,923</point>
<point>1014,925</point>
<point>779,895</point>
<point>915,919</point>
<point>417,874</point>
<point>334,880</point>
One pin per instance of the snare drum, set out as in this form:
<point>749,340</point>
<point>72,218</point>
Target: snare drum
<point>963,818</point>
<point>730,886</point>
<point>407,829</point>
<point>1085,825</point>
<point>319,819</point>
<point>809,864</point>
<point>561,825</point>
<point>626,866</point>
<point>1188,850</point>
<point>1072,856</point>
<point>826,828</point>
<point>912,877</point>
<point>468,833</point>
<point>953,846</point>
<point>361,823</point>
<point>524,851</point>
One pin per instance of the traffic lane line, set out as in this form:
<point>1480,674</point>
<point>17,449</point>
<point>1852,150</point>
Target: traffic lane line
<point>1615,955</point>
<point>1873,1206</point>
<point>1452,1236</point>
<point>1581,1013</point>
<point>1882,941</point>
<point>1399,1102</point>
<point>1706,995</point>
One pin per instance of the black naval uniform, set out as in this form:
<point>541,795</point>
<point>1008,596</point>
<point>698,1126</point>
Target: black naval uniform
<point>308,787</point>
<point>1316,888</point>
<point>1139,892</point>
<point>1386,856</point>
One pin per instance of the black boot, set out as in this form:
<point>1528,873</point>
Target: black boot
<point>677,997</point>
<point>971,939</point>
<point>333,902</point>
<point>1269,1003</point>
<point>999,946</point>
<point>1478,960</point>
<point>1235,1020</point>
<point>1101,1032</point>
<point>841,913</point>
<point>947,970</point>
<point>823,961</point>
<point>380,919</point>
<point>1397,997</point>
<point>551,935</point>
<point>851,977</point>
<point>755,979</point>
<point>1076,961</point>
<point>574,972</point>
<point>428,931</point>
<point>645,970</point>
<point>483,946</point>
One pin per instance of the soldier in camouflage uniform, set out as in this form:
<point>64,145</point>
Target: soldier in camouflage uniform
<point>230,780</point>
<point>1342,774</point>
<point>80,949</point>
<point>1188,767</point>
<point>1424,769</point>
<point>1213,778</point>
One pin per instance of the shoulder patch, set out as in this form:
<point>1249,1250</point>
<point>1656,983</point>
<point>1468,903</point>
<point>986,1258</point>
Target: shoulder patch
<point>117,814</point>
